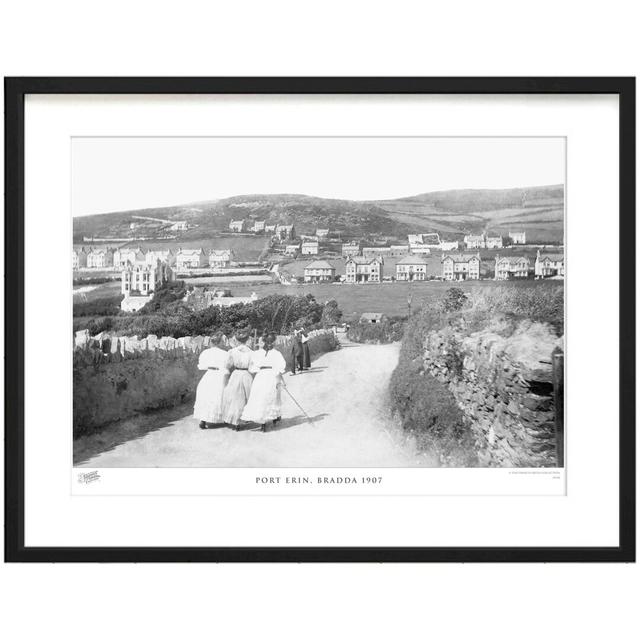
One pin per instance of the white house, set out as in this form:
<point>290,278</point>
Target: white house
<point>398,250</point>
<point>420,242</point>
<point>191,259</point>
<point>461,266</point>
<point>310,248</point>
<point>549,264</point>
<point>360,269</point>
<point>350,249</point>
<point>220,258</point>
<point>518,237</point>
<point>270,228</point>
<point>319,271</point>
<point>258,226</point>
<point>475,242</point>
<point>372,318</point>
<point>411,268</point>
<point>179,225</point>
<point>493,242</point>
<point>285,231</point>
<point>167,256</point>
<point>78,258</point>
<point>125,256</point>
<point>237,226</point>
<point>449,245</point>
<point>322,233</point>
<point>291,249</point>
<point>100,258</point>
<point>508,267</point>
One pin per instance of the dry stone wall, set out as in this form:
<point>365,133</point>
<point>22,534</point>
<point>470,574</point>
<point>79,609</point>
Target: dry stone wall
<point>504,387</point>
<point>115,377</point>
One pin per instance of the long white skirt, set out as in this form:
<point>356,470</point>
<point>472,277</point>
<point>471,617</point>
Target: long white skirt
<point>209,397</point>
<point>264,400</point>
<point>236,395</point>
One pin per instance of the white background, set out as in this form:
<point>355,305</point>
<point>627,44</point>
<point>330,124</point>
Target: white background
<point>400,38</point>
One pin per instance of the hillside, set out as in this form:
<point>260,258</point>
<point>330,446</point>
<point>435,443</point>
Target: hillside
<point>537,210</point>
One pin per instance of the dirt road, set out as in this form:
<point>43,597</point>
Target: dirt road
<point>344,393</point>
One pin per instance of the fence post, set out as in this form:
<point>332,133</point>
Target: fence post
<point>557,358</point>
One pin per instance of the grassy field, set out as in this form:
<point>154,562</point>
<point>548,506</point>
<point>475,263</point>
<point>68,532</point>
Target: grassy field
<point>390,299</point>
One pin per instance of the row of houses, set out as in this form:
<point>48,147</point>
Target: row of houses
<point>458,266</point>
<point>485,241</point>
<point>105,257</point>
<point>281,231</point>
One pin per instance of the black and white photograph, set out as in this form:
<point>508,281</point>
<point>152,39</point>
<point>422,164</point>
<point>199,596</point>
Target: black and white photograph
<point>318,302</point>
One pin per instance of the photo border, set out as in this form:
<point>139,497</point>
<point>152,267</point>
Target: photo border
<point>15,91</point>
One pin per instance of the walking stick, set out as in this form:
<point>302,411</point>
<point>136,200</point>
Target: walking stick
<point>298,405</point>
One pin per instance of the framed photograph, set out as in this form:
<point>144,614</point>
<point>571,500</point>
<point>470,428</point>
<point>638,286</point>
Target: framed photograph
<point>320,319</point>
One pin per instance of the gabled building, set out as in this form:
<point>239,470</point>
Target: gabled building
<point>518,237</point>
<point>319,271</point>
<point>461,266</point>
<point>310,248</point>
<point>191,259</point>
<point>376,252</point>
<point>359,269</point>
<point>549,265</point>
<point>411,268</point>
<point>270,228</point>
<point>398,250</point>
<point>165,256</point>
<point>237,226</point>
<point>100,258</point>
<point>475,242</point>
<point>128,256</point>
<point>78,258</point>
<point>322,233</point>
<point>508,267</point>
<point>139,282</point>
<point>493,242</point>
<point>423,242</point>
<point>292,249</point>
<point>285,231</point>
<point>449,245</point>
<point>258,226</point>
<point>220,258</point>
<point>350,249</point>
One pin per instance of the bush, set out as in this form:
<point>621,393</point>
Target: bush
<point>100,307</point>
<point>169,292</point>
<point>277,313</point>
<point>429,412</point>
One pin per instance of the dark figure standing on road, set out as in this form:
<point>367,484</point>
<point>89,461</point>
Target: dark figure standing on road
<point>297,353</point>
<point>306,354</point>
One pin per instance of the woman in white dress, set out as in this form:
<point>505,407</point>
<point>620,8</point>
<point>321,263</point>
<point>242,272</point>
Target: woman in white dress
<point>264,403</point>
<point>237,391</point>
<point>210,391</point>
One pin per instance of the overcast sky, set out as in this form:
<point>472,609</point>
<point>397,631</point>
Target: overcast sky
<point>116,174</point>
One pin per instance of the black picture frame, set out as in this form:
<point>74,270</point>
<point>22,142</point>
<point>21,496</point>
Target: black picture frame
<point>15,91</point>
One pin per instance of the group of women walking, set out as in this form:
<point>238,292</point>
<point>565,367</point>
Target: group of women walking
<point>241,385</point>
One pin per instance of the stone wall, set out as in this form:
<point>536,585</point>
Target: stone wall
<point>115,377</point>
<point>504,387</point>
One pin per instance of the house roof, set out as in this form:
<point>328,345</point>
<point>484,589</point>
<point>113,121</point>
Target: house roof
<point>555,257</point>
<point>309,242</point>
<point>371,316</point>
<point>461,257</point>
<point>418,259</point>
<point>361,260</point>
<point>190,252</point>
<point>512,259</point>
<point>220,252</point>
<point>319,264</point>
